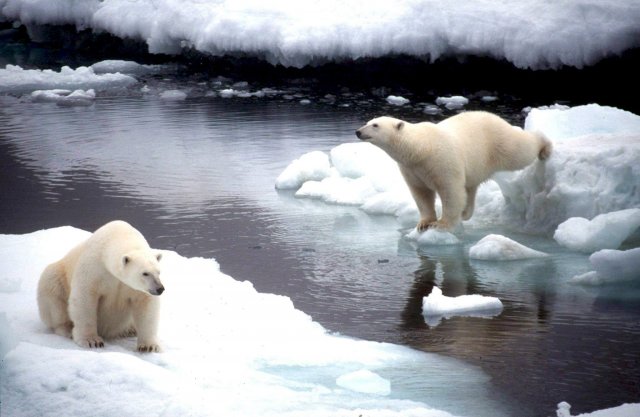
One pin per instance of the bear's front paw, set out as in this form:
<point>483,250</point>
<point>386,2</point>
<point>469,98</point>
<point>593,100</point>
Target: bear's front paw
<point>149,347</point>
<point>94,341</point>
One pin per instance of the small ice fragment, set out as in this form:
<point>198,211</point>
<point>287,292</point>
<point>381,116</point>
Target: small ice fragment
<point>397,100</point>
<point>364,381</point>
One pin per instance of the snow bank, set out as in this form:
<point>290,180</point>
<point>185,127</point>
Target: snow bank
<point>593,168</point>
<point>605,231</point>
<point>254,354</point>
<point>16,80</point>
<point>307,32</point>
<point>611,266</point>
<point>436,306</point>
<point>625,410</point>
<point>501,248</point>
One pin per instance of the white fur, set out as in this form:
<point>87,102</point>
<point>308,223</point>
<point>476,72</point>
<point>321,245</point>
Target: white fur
<point>106,287</point>
<point>452,158</point>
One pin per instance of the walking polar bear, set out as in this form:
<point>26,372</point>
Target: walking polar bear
<point>452,158</point>
<point>106,287</point>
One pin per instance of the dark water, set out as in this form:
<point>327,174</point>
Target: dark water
<point>198,177</point>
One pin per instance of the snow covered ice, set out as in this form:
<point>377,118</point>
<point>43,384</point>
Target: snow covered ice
<point>501,248</point>
<point>228,350</point>
<point>528,34</point>
<point>436,306</point>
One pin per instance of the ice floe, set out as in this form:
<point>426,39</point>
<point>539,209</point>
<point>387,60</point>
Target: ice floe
<point>436,306</point>
<point>610,267</point>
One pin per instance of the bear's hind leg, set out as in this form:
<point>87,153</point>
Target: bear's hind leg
<point>471,201</point>
<point>52,300</point>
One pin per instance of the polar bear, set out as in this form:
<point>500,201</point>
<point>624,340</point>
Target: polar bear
<point>106,287</point>
<point>452,158</point>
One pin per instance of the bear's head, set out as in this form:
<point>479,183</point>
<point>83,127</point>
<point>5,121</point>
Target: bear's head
<point>141,271</point>
<point>380,131</point>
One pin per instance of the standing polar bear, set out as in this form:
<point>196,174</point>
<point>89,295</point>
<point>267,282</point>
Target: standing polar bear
<point>452,158</point>
<point>107,286</point>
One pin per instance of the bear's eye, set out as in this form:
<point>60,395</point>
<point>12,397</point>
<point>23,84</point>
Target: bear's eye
<point>145,274</point>
<point>375,125</point>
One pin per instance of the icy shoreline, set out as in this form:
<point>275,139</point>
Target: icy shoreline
<point>307,33</point>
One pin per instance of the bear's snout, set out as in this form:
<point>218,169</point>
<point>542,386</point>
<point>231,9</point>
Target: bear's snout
<point>361,135</point>
<point>156,291</point>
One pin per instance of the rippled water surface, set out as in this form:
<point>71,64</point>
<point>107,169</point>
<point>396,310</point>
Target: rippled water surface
<point>197,176</point>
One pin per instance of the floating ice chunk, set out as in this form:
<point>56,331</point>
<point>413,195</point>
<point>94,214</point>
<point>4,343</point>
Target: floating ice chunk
<point>397,100</point>
<point>14,79</point>
<point>365,381</point>
<point>431,109</point>
<point>305,101</point>
<point>501,248</point>
<point>313,166</point>
<point>605,231</point>
<point>436,306</point>
<point>433,237</point>
<point>489,99</point>
<point>173,95</point>
<point>611,266</point>
<point>452,103</point>
<point>355,160</point>
<point>64,97</point>
<point>124,67</point>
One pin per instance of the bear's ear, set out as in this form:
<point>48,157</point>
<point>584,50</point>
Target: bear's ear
<point>400,125</point>
<point>125,260</point>
<point>158,256</point>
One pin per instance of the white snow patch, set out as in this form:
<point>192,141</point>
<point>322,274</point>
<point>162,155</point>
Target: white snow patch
<point>501,248</point>
<point>611,266</point>
<point>364,381</point>
<point>605,231</point>
<point>436,306</point>
<point>16,80</point>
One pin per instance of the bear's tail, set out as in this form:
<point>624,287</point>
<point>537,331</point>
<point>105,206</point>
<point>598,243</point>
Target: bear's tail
<point>546,146</point>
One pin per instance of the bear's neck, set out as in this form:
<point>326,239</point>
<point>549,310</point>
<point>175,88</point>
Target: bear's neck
<point>406,150</point>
